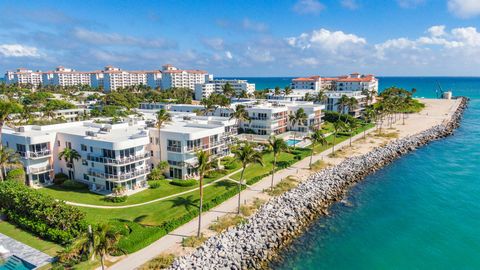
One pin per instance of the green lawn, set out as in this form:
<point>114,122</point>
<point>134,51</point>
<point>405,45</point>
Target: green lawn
<point>79,193</point>
<point>25,237</point>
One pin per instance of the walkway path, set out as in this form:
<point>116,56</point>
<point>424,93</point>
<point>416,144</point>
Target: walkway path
<point>24,252</point>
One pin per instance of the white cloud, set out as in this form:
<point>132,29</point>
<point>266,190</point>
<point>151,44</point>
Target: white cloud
<point>350,4</point>
<point>464,8</point>
<point>410,3</point>
<point>18,50</point>
<point>323,39</point>
<point>437,30</point>
<point>308,7</point>
<point>229,55</point>
<point>214,43</point>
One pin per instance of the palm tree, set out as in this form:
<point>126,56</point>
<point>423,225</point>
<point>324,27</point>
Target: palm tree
<point>240,115</point>
<point>7,108</point>
<point>276,145</point>
<point>287,91</point>
<point>368,116</point>
<point>338,126</point>
<point>246,155</point>
<point>163,117</point>
<point>203,166</point>
<point>352,104</point>
<point>208,105</point>
<point>69,155</point>
<point>228,90</point>
<point>8,157</point>
<point>299,117</point>
<point>321,97</point>
<point>315,137</point>
<point>342,103</point>
<point>351,127</point>
<point>277,91</point>
<point>105,242</point>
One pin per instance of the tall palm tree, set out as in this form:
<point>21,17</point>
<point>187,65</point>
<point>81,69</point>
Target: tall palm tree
<point>204,165</point>
<point>8,157</point>
<point>352,104</point>
<point>299,117</point>
<point>342,103</point>
<point>69,155</point>
<point>276,145</point>
<point>246,155</point>
<point>368,116</point>
<point>277,91</point>
<point>351,126</point>
<point>208,105</point>
<point>287,91</point>
<point>7,108</point>
<point>321,97</point>
<point>163,117</point>
<point>316,137</point>
<point>338,126</point>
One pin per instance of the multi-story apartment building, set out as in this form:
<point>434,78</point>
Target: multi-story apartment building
<point>173,77</point>
<point>154,79</point>
<point>357,82</point>
<point>314,114</point>
<point>111,154</point>
<point>24,76</point>
<point>313,83</point>
<point>66,77</point>
<point>334,97</point>
<point>114,78</point>
<point>204,90</point>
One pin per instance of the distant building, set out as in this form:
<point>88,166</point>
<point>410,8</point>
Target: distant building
<point>114,78</point>
<point>204,90</point>
<point>312,83</point>
<point>24,76</point>
<point>66,77</point>
<point>173,77</point>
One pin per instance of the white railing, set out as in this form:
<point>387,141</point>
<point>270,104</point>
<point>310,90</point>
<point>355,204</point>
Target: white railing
<point>38,154</point>
<point>41,169</point>
<point>120,176</point>
<point>118,161</point>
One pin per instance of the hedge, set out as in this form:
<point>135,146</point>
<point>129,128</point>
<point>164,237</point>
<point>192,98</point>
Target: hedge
<point>184,183</point>
<point>116,199</point>
<point>332,116</point>
<point>40,214</point>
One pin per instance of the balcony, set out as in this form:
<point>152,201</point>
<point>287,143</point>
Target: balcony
<point>119,161</point>
<point>204,146</point>
<point>35,155</point>
<point>40,169</point>
<point>118,177</point>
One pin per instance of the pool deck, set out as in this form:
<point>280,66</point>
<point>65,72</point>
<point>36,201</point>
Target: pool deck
<point>25,252</point>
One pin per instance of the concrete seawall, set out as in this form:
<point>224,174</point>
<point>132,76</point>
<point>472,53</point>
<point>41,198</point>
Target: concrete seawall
<point>276,223</point>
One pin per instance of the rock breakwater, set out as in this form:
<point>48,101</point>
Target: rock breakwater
<point>276,223</point>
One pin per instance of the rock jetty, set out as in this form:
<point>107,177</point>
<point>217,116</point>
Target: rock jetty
<point>254,243</point>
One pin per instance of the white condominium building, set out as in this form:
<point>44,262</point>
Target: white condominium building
<point>66,77</point>
<point>311,83</point>
<point>114,78</point>
<point>204,90</point>
<point>334,97</point>
<point>154,79</point>
<point>111,154</point>
<point>173,77</point>
<point>24,76</point>
<point>314,114</point>
<point>357,82</point>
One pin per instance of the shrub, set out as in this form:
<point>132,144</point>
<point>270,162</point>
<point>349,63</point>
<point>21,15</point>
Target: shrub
<point>156,174</point>
<point>184,183</point>
<point>116,199</point>
<point>60,178</point>
<point>284,185</point>
<point>160,262</point>
<point>225,222</point>
<point>193,241</point>
<point>154,184</point>
<point>332,116</point>
<point>17,175</point>
<point>40,214</point>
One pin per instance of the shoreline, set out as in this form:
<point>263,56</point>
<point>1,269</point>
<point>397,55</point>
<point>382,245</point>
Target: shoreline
<point>279,221</point>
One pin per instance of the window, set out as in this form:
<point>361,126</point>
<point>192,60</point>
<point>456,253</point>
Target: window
<point>174,146</point>
<point>151,153</point>
<point>68,145</point>
<point>85,177</point>
<point>83,147</point>
<point>91,149</point>
<point>84,162</point>
<point>92,164</point>
<point>58,143</point>
<point>151,140</point>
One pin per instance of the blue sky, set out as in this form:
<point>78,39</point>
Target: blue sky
<point>245,38</point>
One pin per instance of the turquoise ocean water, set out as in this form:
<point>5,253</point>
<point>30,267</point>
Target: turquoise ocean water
<point>420,212</point>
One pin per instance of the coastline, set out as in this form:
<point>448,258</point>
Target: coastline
<point>253,244</point>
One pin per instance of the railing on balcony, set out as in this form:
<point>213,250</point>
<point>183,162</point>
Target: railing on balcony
<point>204,146</point>
<point>41,169</point>
<point>38,154</point>
<point>120,176</point>
<point>118,161</point>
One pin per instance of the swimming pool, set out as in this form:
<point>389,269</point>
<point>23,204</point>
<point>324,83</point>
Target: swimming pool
<point>15,263</point>
<point>292,142</point>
